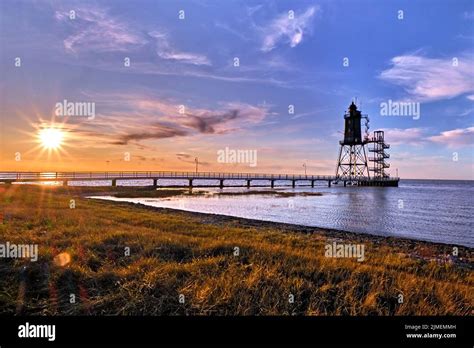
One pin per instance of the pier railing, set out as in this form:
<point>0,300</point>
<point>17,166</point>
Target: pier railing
<point>98,175</point>
<point>65,177</point>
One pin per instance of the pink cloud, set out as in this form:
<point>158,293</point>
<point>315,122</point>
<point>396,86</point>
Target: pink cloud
<point>96,31</point>
<point>165,51</point>
<point>455,138</point>
<point>131,118</point>
<point>410,136</point>
<point>428,79</point>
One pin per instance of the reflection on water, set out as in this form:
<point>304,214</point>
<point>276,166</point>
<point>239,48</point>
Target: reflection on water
<point>439,211</point>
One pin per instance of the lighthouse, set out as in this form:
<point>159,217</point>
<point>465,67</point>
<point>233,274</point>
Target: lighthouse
<point>352,164</point>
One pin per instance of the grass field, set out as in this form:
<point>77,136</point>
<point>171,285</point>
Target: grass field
<point>82,258</point>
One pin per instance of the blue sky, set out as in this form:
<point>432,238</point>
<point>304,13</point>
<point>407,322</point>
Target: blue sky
<point>282,61</point>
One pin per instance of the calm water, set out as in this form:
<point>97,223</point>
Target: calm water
<point>433,210</point>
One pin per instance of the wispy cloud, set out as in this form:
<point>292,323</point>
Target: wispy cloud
<point>165,51</point>
<point>429,79</point>
<point>288,30</point>
<point>455,138</point>
<point>190,71</point>
<point>407,136</point>
<point>187,158</point>
<point>129,119</point>
<point>154,131</point>
<point>467,112</point>
<point>420,136</point>
<point>228,119</point>
<point>252,9</point>
<point>468,15</point>
<point>97,31</point>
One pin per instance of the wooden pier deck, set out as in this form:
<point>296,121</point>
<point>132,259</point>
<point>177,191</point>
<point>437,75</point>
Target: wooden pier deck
<point>155,176</point>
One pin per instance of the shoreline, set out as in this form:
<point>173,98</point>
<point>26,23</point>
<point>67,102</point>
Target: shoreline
<point>391,241</point>
<point>414,231</point>
<point>176,191</point>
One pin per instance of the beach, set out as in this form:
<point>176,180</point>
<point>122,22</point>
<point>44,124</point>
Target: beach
<point>99,257</point>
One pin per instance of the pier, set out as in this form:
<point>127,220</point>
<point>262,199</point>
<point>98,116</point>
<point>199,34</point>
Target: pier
<point>222,178</point>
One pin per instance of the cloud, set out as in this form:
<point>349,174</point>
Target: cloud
<point>429,79</point>
<point>97,31</point>
<point>231,118</point>
<point>183,155</point>
<point>165,51</point>
<point>187,158</point>
<point>235,116</point>
<point>155,131</point>
<point>131,118</point>
<point>252,9</point>
<point>455,138</point>
<point>468,15</point>
<point>467,112</point>
<point>286,30</point>
<point>407,136</point>
<point>417,136</point>
<point>206,124</point>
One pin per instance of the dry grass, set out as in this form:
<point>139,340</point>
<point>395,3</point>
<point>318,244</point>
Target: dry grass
<point>176,253</point>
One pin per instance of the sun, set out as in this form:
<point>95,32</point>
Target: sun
<point>51,138</point>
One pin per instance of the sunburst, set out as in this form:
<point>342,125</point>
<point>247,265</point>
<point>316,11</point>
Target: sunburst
<point>51,138</point>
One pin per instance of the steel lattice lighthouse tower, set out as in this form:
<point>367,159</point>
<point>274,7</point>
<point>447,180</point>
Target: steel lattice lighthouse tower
<point>353,163</point>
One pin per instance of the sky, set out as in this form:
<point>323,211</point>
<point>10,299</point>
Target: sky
<point>174,80</point>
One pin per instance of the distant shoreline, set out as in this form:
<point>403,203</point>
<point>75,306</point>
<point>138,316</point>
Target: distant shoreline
<point>217,219</point>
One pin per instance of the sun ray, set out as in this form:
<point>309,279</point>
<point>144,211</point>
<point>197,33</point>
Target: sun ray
<point>51,138</point>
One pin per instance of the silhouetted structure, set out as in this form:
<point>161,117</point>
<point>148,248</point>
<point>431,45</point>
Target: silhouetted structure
<point>352,164</point>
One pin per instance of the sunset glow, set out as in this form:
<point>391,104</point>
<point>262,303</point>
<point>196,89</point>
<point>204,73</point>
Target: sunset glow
<point>51,138</point>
